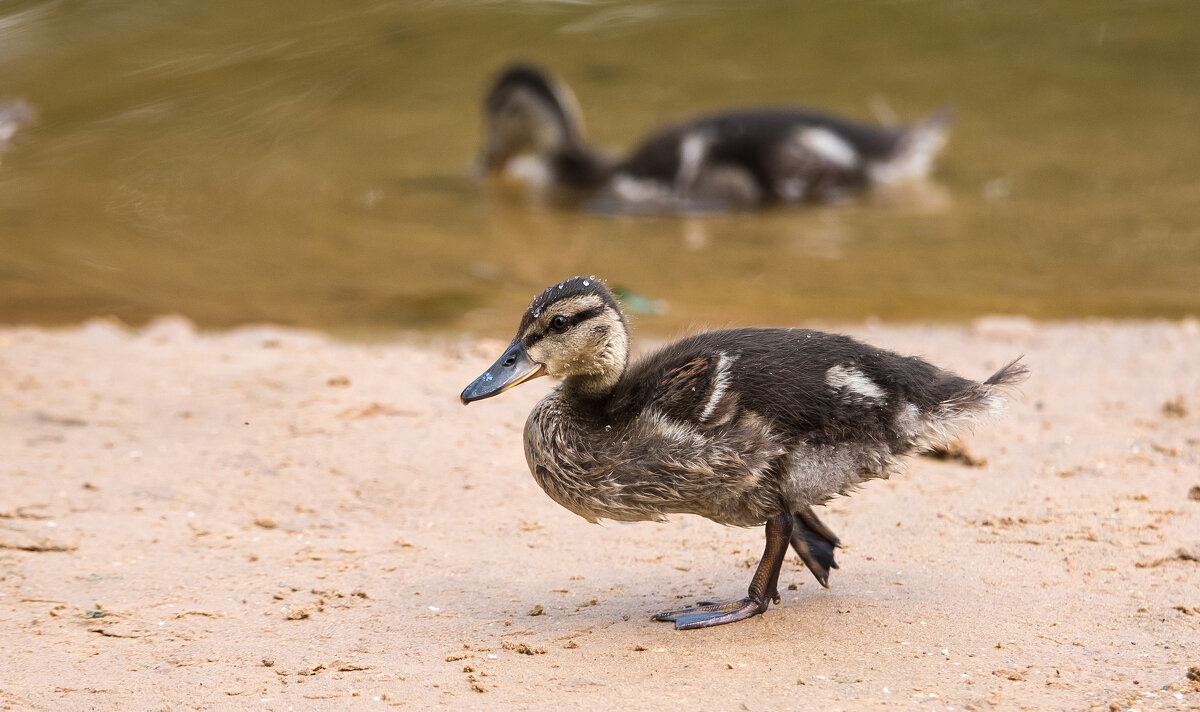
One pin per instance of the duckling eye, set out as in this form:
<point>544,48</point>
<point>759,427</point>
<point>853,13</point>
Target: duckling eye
<point>559,323</point>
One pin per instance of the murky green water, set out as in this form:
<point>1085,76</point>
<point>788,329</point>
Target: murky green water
<point>308,162</point>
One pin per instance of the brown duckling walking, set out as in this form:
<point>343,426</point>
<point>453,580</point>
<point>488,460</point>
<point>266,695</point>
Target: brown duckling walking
<point>743,426</point>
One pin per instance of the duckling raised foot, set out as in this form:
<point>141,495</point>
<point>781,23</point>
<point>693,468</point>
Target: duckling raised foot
<point>743,426</point>
<point>737,159</point>
<point>814,543</point>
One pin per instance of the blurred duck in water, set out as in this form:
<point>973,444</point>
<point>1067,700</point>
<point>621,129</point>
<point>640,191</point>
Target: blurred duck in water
<point>738,159</point>
<point>13,115</point>
<point>744,427</point>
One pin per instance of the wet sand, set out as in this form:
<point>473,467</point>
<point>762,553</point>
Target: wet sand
<point>268,519</point>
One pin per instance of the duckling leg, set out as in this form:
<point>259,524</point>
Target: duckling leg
<point>763,587</point>
<point>814,542</point>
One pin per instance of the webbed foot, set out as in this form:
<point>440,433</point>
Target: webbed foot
<point>814,542</point>
<point>763,586</point>
<point>706,615</point>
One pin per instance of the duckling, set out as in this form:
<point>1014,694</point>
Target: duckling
<point>737,159</point>
<point>744,426</point>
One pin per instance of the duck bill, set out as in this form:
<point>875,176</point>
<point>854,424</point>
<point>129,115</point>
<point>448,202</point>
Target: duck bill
<point>513,368</point>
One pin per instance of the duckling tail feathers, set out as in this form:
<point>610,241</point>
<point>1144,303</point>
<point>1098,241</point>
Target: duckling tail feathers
<point>919,144</point>
<point>947,421</point>
<point>987,398</point>
<point>1011,374</point>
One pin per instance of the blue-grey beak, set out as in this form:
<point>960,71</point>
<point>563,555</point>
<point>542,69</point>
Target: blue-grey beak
<point>512,368</point>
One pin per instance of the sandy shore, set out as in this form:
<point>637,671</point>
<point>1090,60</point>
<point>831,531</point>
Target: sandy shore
<point>271,520</point>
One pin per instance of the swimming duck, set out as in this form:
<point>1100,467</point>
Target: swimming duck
<point>743,426</point>
<point>736,159</point>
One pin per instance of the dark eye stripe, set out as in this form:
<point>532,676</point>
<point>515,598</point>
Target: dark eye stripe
<point>584,316</point>
<point>571,321</point>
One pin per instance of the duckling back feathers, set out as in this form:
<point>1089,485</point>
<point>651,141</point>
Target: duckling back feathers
<point>771,145</point>
<point>739,425</point>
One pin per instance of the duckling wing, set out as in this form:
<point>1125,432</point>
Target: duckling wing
<point>697,382</point>
<point>709,379</point>
<point>690,391</point>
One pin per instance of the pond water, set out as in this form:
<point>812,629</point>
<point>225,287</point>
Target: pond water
<point>309,163</point>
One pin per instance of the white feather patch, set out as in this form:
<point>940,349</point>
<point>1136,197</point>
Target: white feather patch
<point>692,150</point>
<point>908,420</point>
<point>720,385</point>
<point>829,146</point>
<point>634,190</point>
<point>531,170</point>
<point>852,380</point>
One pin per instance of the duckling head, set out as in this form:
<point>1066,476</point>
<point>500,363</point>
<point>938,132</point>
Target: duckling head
<point>528,113</point>
<point>574,330</point>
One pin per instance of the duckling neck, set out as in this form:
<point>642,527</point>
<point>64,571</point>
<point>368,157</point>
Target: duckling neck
<point>597,374</point>
<point>593,387</point>
<point>578,166</point>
